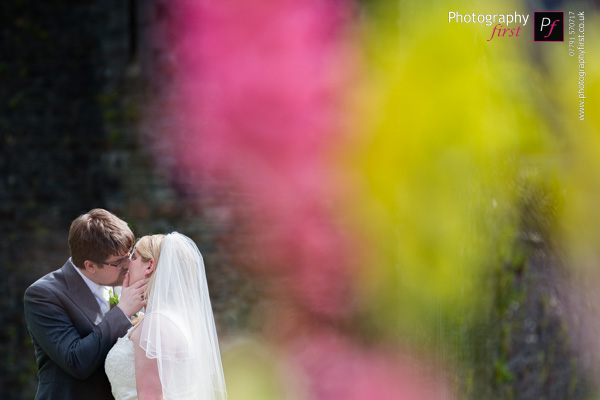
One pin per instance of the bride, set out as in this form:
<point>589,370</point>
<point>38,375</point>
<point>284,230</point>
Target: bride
<point>173,352</point>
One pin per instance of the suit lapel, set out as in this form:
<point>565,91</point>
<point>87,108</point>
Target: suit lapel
<point>81,294</point>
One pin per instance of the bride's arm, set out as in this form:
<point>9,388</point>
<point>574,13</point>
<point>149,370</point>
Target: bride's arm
<point>146,371</point>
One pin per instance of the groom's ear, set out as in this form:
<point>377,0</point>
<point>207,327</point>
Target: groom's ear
<point>89,266</point>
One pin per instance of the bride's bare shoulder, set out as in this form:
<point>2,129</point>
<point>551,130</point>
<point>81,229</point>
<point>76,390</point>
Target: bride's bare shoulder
<point>136,332</point>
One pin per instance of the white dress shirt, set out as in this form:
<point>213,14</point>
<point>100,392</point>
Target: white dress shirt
<point>100,292</point>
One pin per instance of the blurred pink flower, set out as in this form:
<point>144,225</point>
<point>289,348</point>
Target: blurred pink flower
<point>255,100</point>
<point>335,368</point>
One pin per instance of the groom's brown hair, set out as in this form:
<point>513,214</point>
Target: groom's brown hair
<point>98,235</point>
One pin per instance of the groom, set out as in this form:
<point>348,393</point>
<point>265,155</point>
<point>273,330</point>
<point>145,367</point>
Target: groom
<point>69,318</point>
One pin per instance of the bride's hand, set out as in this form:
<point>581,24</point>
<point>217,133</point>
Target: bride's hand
<point>131,300</point>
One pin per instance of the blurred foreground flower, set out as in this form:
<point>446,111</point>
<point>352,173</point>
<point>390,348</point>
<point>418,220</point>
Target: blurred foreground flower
<point>255,99</point>
<point>447,132</point>
<point>326,366</point>
<point>397,219</point>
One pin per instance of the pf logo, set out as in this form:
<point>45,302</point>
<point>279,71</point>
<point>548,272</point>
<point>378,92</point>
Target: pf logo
<point>548,26</point>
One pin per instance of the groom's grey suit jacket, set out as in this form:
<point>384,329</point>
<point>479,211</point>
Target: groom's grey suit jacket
<point>70,336</point>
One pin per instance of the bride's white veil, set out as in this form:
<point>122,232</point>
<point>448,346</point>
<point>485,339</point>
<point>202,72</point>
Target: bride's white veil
<point>179,328</point>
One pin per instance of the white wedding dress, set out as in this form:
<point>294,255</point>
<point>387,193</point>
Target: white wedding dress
<point>177,330</point>
<point>120,368</point>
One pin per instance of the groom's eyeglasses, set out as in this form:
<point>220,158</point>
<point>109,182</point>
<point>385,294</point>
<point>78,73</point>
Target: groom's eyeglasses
<point>119,263</point>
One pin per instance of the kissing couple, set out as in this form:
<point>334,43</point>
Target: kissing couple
<point>86,349</point>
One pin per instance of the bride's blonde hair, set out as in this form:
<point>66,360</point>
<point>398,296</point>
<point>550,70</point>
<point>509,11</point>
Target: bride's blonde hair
<point>148,247</point>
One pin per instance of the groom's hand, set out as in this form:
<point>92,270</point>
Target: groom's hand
<point>131,300</point>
